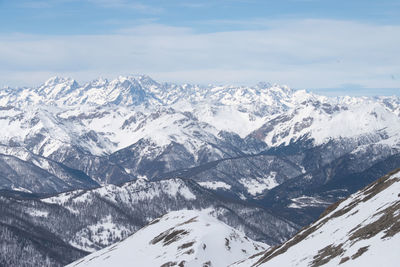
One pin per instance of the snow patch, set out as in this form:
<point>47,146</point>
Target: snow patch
<point>214,185</point>
<point>38,213</point>
<point>307,202</point>
<point>259,185</point>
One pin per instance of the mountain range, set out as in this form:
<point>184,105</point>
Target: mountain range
<point>135,149</point>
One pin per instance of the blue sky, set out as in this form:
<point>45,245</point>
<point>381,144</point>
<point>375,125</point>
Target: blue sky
<point>334,47</point>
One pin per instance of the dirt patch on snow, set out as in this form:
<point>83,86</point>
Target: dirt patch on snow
<point>169,236</point>
<point>359,252</point>
<point>326,254</point>
<point>387,222</point>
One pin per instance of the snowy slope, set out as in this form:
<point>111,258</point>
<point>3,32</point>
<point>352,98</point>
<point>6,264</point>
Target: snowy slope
<point>362,230</point>
<point>184,238</point>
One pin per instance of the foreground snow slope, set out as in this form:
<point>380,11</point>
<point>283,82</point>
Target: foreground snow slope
<point>363,230</point>
<point>181,238</point>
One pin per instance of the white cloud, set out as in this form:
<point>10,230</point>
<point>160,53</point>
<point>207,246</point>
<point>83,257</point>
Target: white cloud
<point>127,4</point>
<point>118,4</point>
<point>301,53</point>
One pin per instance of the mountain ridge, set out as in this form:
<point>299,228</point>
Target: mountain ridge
<point>346,233</point>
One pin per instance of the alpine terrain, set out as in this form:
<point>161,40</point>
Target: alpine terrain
<point>88,165</point>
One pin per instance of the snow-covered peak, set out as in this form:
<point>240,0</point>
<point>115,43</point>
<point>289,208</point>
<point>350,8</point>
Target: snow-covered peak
<point>181,238</point>
<point>55,84</point>
<point>146,80</point>
<point>99,82</point>
<point>263,85</point>
<point>55,80</point>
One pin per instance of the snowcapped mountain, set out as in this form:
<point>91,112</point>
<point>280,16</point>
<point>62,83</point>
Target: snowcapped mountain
<point>364,120</point>
<point>179,238</point>
<point>362,230</point>
<point>115,131</point>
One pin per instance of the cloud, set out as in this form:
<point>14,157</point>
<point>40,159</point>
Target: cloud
<point>127,4</point>
<point>116,4</point>
<point>300,53</point>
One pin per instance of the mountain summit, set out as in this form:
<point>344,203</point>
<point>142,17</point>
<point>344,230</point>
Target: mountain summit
<point>180,238</point>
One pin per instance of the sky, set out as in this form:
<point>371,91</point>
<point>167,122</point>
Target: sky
<point>331,47</point>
